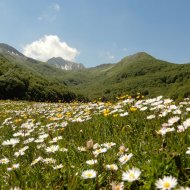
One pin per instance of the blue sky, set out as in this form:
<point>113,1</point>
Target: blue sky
<point>98,31</point>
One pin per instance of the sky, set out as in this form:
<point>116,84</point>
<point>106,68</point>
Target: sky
<point>95,32</point>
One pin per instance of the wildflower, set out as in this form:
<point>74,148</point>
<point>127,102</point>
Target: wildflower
<point>14,166</point>
<point>167,183</point>
<point>122,150</point>
<point>36,160</point>
<point>15,188</point>
<point>54,140</point>
<point>96,146</point>
<point>188,151</point>
<point>173,120</point>
<point>57,167</point>
<point>133,109</point>
<point>63,149</point>
<point>131,175</point>
<point>89,144</point>
<point>143,108</point>
<point>4,161</point>
<point>99,151</point>
<point>88,174</point>
<point>21,152</point>
<point>28,140</point>
<point>81,149</point>
<point>49,161</point>
<point>91,162</point>
<point>12,142</point>
<point>117,186</point>
<point>112,167</point>
<point>165,130</point>
<point>109,144</point>
<point>125,158</point>
<point>180,128</point>
<point>183,188</point>
<point>124,114</point>
<point>151,117</point>
<point>52,149</point>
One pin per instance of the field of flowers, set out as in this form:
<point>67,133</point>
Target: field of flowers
<point>129,144</point>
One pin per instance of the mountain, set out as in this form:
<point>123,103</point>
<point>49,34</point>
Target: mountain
<point>63,64</point>
<point>25,78</point>
<point>6,49</point>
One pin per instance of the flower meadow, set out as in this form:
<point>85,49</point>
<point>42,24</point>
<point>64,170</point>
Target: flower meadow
<point>134,143</point>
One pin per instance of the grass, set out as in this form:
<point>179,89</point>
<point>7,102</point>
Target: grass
<point>76,128</point>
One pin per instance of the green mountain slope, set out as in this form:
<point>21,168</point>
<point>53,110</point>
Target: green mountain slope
<point>138,73</point>
<point>25,78</point>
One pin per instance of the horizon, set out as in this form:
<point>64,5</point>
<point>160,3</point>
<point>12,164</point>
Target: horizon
<point>95,33</point>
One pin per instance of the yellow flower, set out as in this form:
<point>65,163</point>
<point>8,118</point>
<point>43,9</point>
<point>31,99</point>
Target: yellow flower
<point>133,109</point>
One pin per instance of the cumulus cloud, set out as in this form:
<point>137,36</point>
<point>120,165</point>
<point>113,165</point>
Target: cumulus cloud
<point>50,46</point>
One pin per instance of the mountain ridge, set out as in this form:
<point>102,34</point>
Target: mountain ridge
<point>139,72</point>
<point>63,64</point>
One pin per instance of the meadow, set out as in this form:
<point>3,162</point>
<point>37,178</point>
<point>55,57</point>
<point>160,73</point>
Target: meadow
<point>134,143</point>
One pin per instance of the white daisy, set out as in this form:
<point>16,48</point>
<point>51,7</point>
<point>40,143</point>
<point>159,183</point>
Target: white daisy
<point>88,174</point>
<point>112,167</point>
<point>131,175</point>
<point>167,183</point>
<point>4,161</point>
<point>125,158</point>
<point>91,162</point>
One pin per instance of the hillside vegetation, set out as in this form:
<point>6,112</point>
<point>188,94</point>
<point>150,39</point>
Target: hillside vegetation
<point>25,78</point>
<point>138,73</point>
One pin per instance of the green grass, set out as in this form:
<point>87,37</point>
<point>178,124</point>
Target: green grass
<point>155,155</point>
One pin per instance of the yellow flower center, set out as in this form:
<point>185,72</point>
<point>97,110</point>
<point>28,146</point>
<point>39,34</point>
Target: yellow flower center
<point>132,175</point>
<point>89,175</point>
<point>166,185</point>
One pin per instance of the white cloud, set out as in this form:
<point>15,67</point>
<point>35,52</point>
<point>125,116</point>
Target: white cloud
<point>50,46</point>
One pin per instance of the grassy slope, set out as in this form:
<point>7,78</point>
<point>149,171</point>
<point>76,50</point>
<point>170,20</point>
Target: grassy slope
<point>137,73</point>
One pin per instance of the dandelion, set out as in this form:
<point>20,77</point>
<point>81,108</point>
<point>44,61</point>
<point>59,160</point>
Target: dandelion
<point>131,175</point>
<point>88,174</point>
<point>167,183</point>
